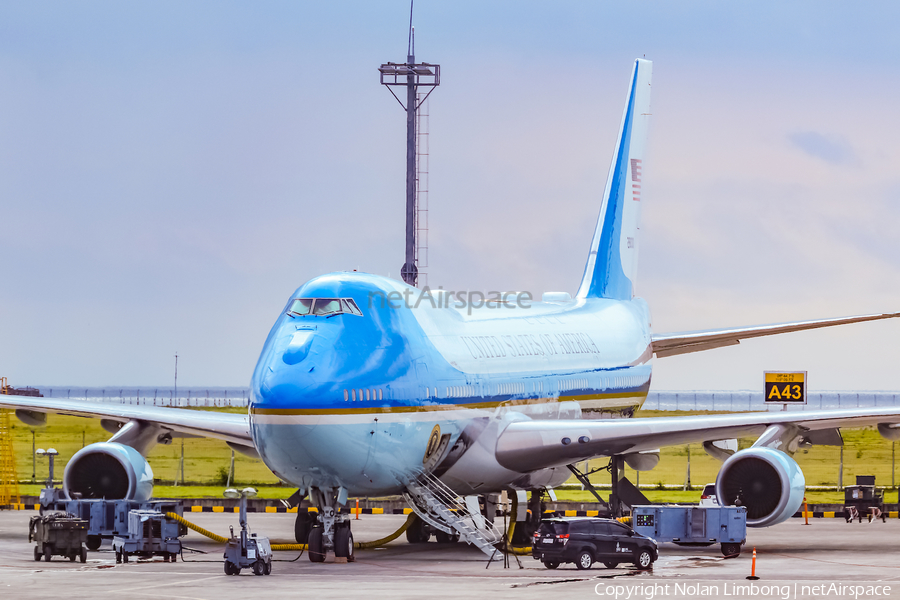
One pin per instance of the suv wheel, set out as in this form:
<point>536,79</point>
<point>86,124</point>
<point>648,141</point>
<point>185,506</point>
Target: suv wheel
<point>643,559</point>
<point>585,560</point>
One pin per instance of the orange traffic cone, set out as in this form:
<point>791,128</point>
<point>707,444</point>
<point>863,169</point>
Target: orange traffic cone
<point>753,567</point>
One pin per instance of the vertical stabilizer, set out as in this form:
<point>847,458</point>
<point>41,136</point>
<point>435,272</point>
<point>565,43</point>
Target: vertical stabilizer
<point>612,263</point>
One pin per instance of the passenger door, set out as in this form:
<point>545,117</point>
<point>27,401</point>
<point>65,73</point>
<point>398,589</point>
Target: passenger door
<point>603,540</point>
<point>622,540</point>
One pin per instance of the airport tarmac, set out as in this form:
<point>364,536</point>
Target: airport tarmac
<point>790,556</point>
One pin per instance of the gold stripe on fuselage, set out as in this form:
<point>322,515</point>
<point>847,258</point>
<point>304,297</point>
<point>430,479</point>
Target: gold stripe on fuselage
<point>357,410</point>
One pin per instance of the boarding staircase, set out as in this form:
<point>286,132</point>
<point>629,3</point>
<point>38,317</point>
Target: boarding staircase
<point>444,509</point>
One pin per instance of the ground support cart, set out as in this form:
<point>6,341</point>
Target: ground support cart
<point>109,518</point>
<point>694,525</point>
<point>58,534</point>
<point>864,499</point>
<point>149,534</point>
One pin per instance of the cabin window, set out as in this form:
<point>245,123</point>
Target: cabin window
<point>346,396</point>
<point>380,396</point>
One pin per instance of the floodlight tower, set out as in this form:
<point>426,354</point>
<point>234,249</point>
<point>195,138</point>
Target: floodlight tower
<point>412,75</point>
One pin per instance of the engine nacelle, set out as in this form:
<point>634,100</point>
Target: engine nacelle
<point>766,481</point>
<point>111,471</point>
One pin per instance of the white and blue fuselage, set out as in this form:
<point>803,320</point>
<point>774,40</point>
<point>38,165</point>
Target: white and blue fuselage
<point>352,401</point>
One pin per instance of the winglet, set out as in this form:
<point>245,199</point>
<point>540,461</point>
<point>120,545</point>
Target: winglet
<point>612,262</point>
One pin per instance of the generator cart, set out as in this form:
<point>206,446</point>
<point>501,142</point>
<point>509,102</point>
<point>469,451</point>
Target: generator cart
<point>694,525</point>
<point>150,533</point>
<point>58,534</point>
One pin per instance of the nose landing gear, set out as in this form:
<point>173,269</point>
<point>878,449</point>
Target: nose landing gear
<point>330,531</point>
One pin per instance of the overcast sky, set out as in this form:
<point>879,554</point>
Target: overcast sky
<point>171,171</point>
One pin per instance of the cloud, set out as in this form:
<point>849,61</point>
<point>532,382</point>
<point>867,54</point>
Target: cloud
<point>833,149</point>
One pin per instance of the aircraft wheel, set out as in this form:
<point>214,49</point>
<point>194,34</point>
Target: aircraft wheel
<point>316,549</point>
<point>303,524</point>
<point>343,542</point>
<point>446,538</point>
<point>416,532</point>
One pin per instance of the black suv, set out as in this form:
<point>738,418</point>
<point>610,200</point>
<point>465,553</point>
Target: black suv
<point>584,541</point>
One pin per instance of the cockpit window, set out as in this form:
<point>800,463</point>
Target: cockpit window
<point>327,306</point>
<point>300,306</point>
<point>351,307</point>
<point>323,307</point>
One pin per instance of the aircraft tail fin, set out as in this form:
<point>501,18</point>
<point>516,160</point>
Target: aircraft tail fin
<point>612,263</point>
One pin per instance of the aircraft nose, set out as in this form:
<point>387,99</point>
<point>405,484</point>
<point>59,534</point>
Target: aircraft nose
<point>298,344</point>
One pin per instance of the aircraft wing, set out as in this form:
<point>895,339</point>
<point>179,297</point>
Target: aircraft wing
<point>230,427</point>
<point>670,344</point>
<point>526,446</point>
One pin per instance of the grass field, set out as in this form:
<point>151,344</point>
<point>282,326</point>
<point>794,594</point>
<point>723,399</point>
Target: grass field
<point>207,461</point>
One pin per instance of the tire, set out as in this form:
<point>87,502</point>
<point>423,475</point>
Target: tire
<point>118,557</point>
<point>731,550</point>
<point>124,556</point>
<point>316,549</point>
<point>72,556</point>
<point>83,555</point>
<point>585,560</point>
<point>259,568</point>
<point>93,542</point>
<point>228,568</point>
<point>343,543</point>
<point>46,554</point>
<point>37,554</point>
<point>551,564</point>
<point>302,526</point>
<point>269,567</point>
<point>643,559</point>
<point>446,538</point>
<point>416,532</point>
<point>610,564</point>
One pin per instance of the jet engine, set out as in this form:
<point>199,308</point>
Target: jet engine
<point>111,471</point>
<point>766,481</point>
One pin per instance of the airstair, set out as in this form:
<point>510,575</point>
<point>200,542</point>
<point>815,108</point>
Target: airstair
<point>444,509</point>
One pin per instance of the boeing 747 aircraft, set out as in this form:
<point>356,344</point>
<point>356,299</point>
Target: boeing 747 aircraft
<point>366,386</point>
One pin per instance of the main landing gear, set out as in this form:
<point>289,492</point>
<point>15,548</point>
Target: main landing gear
<point>328,530</point>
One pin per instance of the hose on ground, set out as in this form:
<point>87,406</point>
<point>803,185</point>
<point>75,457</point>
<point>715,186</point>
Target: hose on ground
<point>294,547</point>
<point>521,550</point>
<point>197,528</point>
<point>390,538</point>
